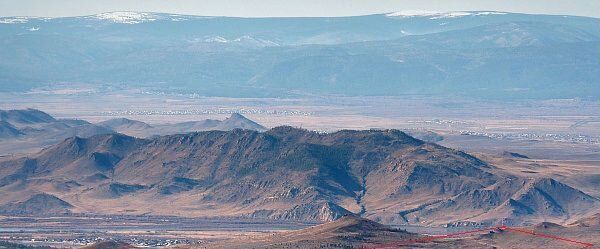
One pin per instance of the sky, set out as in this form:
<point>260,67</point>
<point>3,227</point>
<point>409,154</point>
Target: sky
<point>269,8</point>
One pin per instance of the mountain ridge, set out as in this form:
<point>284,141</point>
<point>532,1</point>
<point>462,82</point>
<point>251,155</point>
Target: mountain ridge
<point>216,56</point>
<point>289,173</point>
<point>30,130</point>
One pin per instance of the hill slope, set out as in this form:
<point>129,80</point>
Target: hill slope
<point>8,131</point>
<point>25,117</point>
<point>39,204</point>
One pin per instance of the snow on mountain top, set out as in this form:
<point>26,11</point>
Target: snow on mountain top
<point>257,41</point>
<point>130,17</point>
<point>127,17</point>
<point>412,13</point>
<point>438,15</point>
<point>218,39</point>
<point>489,13</point>
<point>450,15</point>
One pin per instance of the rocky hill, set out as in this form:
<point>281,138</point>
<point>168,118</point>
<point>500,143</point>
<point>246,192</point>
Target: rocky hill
<point>286,173</point>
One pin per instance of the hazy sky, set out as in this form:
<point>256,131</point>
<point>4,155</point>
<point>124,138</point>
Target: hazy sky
<point>248,8</point>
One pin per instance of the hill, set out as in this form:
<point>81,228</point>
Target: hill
<point>238,121</point>
<point>25,117</point>
<point>29,130</point>
<point>287,173</point>
<point>346,232</point>
<point>119,124</point>
<point>38,204</point>
<point>541,235</point>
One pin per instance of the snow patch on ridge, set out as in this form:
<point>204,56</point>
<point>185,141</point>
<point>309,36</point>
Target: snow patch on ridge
<point>218,39</point>
<point>413,13</point>
<point>489,13</point>
<point>439,15</point>
<point>130,17</point>
<point>246,39</point>
<point>127,17</point>
<point>11,20</point>
<point>450,15</point>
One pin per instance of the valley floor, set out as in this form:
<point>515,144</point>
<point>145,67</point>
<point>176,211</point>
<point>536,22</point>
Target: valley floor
<point>153,231</point>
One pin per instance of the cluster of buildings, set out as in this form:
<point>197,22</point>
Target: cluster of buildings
<point>207,112</point>
<point>561,137</point>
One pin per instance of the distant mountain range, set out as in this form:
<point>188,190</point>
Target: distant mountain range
<point>282,173</point>
<point>30,130</point>
<point>141,129</point>
<point>477,53</point>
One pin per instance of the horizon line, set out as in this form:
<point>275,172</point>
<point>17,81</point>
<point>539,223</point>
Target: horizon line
<point>425,13</point>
